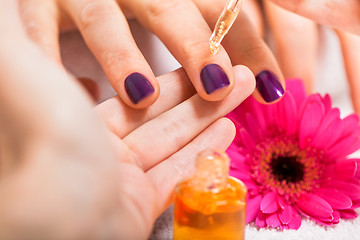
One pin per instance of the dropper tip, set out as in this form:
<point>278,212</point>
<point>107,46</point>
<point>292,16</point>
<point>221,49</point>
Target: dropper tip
<point>214,49</point>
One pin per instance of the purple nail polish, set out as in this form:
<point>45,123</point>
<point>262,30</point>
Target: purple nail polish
<point>269,86</point>
<point>213,78</point>
<point>138,87</point>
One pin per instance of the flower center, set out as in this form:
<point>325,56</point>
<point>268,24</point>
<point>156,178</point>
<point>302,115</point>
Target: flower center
<point>278,164</point>
<point>287,168</point>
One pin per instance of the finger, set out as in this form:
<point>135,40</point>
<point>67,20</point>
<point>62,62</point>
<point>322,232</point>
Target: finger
<point>245,47</point>
<point>181,165</point>
<point>296,42</point>
<point>253,10</point>
<point>178,126</point>
<point>179,24</point>
<point>350,45</point>
<point>121,119</point>
<point>339,14</point>
<point>40,21</point>
<point>35,108</point>
<point>107,34</point>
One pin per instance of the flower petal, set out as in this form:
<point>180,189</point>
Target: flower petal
<point>336,215</point>
<point>329,130</point>
<point>341,170</point>
<point>272,220</point>
<point>252,208</point>
<point>246,139</point>
<point>241,175</point>
<point>349,140</point>
<point>237,159</point>
<point>281,202</point>
<point>350,189</point>
<point>312,114</point>
<point>285,214</point>
<point>250,184</point>
<point>314,206</point>
<point>269,203</point>
<point>295,222</point>
<point>284,227</point>
<point>286,112</point>
<point>250,105</point>
<point>297,89</point>
<point>336,199</point>
<point>252,126</point>
<point>345,146</point>
<point>355,204</point>
<point>357,172</point>
<point>351,122</point>
<point>348,214</point>
<point>260,220</point>
<point>327,102</point>
<point>323,223</point>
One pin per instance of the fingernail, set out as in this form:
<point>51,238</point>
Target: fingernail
<point>269,86</point>
<point>213,78</point>
<point>138,87</point>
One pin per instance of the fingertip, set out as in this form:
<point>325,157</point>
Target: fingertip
<point>229,129</point>
<point>216,82</point>
<point>140,91</point>
<point>269,87</point>
<point>244,79</point>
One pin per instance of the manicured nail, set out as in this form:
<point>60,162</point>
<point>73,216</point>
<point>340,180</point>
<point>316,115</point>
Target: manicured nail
<point>138,87</point>
<point>269,86</point>
<point>213,78</point>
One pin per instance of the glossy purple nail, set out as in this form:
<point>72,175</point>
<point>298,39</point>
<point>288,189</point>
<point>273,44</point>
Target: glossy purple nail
<point>269,86</point>
<point>138,87</point>
<point>213,78</point>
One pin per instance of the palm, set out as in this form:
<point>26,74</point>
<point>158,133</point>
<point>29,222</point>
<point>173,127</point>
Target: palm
<point>156,147</point>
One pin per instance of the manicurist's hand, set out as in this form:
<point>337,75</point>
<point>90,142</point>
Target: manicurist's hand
<point>343,15</point>
<point>65,175</point>
<point>184,26</point>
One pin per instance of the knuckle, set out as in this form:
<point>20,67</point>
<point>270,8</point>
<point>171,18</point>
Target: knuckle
<point>33,29</point>
<point>192,47</point>
<point>159,8</point>
<point>94,11</point>
<point>172,130</point>
<point>114,59</point>
<point>257,49</point>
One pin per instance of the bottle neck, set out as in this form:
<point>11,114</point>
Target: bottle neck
<point>212,171</point>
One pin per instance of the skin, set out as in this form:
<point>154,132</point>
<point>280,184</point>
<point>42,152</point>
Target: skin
<point>71,172</point>
<point>298,36</point>
<point>53,147</point>
<point>180,24</point>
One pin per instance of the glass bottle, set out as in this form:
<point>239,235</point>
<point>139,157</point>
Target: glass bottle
<point>210,205</point>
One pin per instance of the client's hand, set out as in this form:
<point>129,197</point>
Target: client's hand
<point>65,176</point>
<point>292,28</point>
<point>156,147</point>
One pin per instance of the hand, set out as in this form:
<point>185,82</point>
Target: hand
<point>296,42</point>
<point>183,26</point>
<point>298,36</point>
<point>65,176</point>
<point>343,15</point>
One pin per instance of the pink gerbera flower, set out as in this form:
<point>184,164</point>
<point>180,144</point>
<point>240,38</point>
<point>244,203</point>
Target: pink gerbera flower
<point>293,158</point>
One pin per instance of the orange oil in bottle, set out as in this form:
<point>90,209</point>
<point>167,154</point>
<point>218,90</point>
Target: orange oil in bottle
<point>211,205</point>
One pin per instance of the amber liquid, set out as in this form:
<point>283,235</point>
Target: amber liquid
<point>222,26</point>
<point>200,215</point>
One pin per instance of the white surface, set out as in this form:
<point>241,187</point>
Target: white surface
<point>330,79</point>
